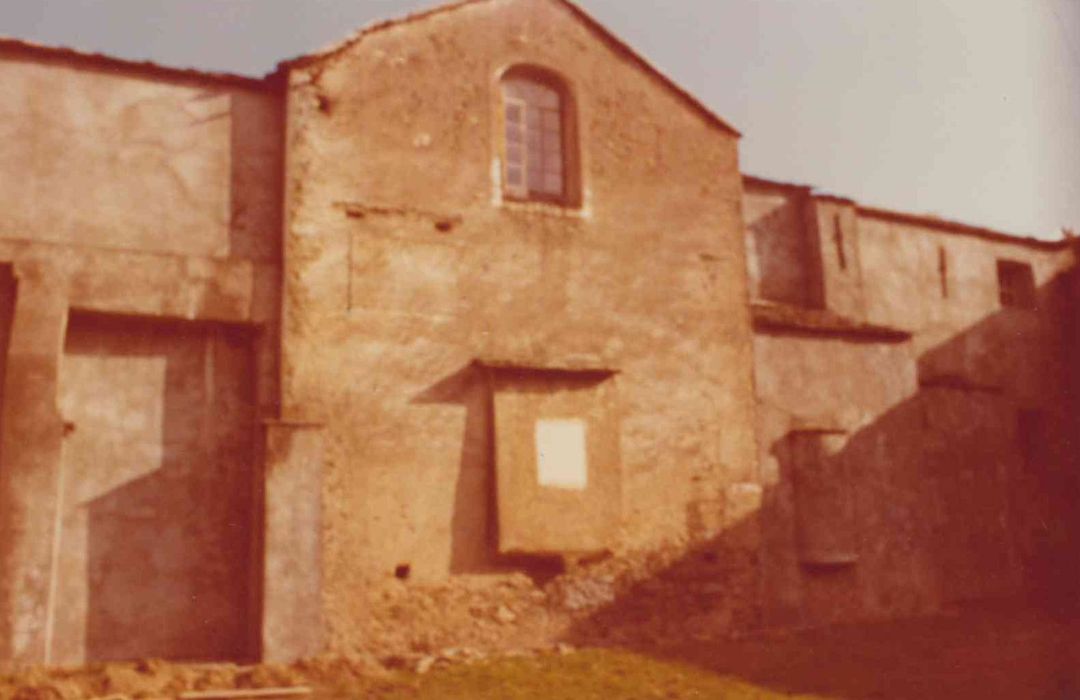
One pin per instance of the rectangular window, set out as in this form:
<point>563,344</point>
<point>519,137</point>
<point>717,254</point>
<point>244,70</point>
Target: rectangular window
<point>561,460</point>
<point>838,239</point>
<point>1016,284</point>
<point>535,138</point>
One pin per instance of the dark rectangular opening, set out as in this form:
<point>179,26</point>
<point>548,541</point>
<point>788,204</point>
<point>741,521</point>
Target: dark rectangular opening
<point>1016,284</point>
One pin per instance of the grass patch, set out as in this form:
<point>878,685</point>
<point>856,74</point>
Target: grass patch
<point>584,675</point>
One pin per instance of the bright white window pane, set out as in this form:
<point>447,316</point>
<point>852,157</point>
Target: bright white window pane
<point>561,460</point>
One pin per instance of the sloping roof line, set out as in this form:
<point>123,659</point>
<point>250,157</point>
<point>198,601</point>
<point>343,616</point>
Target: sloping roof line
<point>962,228</point>
<point>754,180</point>
<point>902,217</point>
<point>595,26</point>
<point>111,63</point>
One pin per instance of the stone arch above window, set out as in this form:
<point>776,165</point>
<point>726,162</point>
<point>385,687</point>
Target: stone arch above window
<point>539,130</point>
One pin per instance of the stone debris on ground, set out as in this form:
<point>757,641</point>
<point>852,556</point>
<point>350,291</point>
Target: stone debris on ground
<point>592,604</point>
<point>155,679</point>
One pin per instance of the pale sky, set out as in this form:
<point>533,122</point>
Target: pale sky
<point>969,109</point>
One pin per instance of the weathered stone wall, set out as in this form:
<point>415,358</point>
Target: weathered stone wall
<point>404,265</point>
<point>909,294</point>
<point>912,438</point>
<point>966,340</point>
<point>948,455</point>
<point>130,191</point>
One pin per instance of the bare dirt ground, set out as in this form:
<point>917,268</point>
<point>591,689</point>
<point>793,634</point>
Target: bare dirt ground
<point>977,653</point>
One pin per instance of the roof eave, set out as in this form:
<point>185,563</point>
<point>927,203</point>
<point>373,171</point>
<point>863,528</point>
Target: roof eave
<point>934,222</point>
<point>100,61</point>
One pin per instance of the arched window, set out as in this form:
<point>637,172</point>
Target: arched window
<point>538,128</point>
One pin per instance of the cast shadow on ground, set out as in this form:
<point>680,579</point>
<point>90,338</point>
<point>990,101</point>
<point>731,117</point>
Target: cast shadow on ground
<point>962,527</point>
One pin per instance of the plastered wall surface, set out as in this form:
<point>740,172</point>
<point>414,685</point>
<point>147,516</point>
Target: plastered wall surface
<point>156,493</point>
<point>134,162</point>
<point>384,311</point>
<point>965,330</point>
<point>127,193</point>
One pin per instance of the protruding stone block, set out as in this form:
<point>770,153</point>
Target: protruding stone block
<point>558,472</point>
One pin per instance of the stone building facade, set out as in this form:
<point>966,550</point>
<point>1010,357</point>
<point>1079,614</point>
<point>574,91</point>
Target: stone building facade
<point>469,331</point>
<point>915,411</point>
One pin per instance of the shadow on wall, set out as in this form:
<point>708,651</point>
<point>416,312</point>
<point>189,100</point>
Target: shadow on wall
<point>156,542</point>
<point>256,174</point>
<point>474,527</point>
<point>783,276</point>
<point>960,496</point>
<point>7,314</point>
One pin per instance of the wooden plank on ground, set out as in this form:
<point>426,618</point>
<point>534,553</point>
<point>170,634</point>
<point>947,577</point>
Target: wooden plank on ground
<point>238,693</point>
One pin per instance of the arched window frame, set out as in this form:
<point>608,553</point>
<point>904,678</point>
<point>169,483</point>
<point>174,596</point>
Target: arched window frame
<point>570,196</point>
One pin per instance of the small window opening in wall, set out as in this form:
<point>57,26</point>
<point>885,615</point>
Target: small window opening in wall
<point>402,571</point>
<point>838,240</point>
<point>943,271</point>
<point>539,160</point>
<point>1016,284</point>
